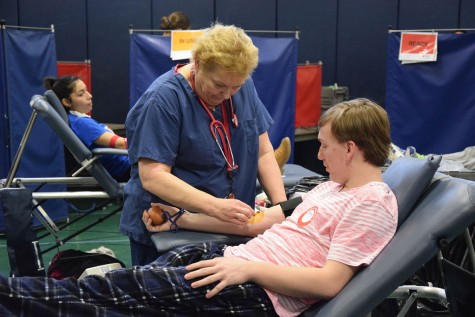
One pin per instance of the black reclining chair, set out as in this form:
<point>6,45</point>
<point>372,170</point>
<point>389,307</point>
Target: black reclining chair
<point>443,212</point>
<point>105,187</point>
<point>433,210</point>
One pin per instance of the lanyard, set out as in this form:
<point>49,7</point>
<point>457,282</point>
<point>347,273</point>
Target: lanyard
<point>220,130</point>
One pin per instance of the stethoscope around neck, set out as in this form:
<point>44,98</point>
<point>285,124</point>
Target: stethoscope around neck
<point>220,130</point>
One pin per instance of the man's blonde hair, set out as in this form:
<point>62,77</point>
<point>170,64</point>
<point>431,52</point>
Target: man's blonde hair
<point>363,122</point>
<point>228,47</point>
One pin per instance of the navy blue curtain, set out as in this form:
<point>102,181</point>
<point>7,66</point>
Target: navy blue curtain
<point>4,152</point>
<point>30,55</point>
<point>149,58</point>
<point>274,78</point>
<point>432,105</point>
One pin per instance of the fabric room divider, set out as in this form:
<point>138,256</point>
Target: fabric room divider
<point>308,95</point>
<point>29,55</point>
<point>431,105</point>
<point>80,69</point>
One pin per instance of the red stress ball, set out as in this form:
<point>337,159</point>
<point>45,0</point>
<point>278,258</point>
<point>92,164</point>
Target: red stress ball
<point>156,214</point>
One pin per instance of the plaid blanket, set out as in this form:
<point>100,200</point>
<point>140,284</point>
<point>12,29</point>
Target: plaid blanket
<point>158,289</point>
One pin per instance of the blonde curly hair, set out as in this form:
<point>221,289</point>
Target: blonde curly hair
<point>228,47</point>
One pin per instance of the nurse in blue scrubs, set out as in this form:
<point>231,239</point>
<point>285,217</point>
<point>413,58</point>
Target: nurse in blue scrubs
<point>198,139</point>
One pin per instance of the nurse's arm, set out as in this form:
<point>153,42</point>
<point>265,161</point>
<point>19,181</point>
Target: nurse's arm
<point>268,171</point>
<point>157,179</point>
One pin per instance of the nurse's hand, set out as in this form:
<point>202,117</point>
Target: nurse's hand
<point>232,211</point>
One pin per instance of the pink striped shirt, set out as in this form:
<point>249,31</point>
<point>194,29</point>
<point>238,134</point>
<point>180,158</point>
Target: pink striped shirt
<point>351,227</point>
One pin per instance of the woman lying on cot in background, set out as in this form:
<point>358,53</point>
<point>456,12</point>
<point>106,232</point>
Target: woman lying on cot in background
<point>297,258</point>
<point>77,100</point>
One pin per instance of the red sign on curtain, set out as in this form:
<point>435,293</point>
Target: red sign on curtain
<point>80,69</point>
<point>418,46</point>
<point>308,95</point>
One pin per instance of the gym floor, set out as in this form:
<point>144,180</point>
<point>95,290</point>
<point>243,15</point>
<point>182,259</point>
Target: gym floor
<point>105,233</point>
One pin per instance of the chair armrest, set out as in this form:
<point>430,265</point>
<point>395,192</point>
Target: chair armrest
<point>169,240</point>
<point>103,151</point>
